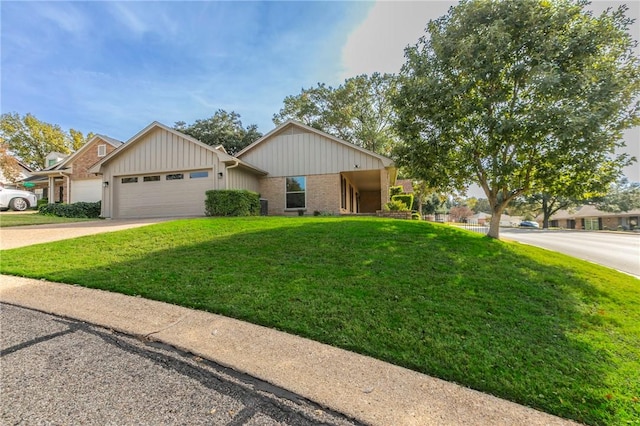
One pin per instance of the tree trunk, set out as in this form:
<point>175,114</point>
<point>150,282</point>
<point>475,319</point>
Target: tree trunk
<point>494,225</point>
<point>546,212</point>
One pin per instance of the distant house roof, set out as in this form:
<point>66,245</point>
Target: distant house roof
<point>590,211</point>
<point>481,215</point>
<point>61,165</point>
<point>406,184</point>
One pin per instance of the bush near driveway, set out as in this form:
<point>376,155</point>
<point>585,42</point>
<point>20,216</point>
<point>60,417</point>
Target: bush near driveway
<point>76,210</point>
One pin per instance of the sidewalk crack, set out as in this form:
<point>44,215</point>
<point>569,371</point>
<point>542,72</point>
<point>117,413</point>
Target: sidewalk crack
<point>173,324</point>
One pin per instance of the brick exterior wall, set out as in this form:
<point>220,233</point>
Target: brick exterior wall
<point>384,186</point>
<point>88,158</point>
<point>323,194</point>
<point>272,189</point>
<point>370,201</point>
<point>80,166</point>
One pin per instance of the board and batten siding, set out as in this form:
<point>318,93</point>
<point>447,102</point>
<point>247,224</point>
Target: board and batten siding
<point>162,151</point>
<point>242,179</point>
<point>297,152</point>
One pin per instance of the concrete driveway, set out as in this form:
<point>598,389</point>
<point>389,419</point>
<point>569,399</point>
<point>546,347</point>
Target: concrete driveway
<point>20,236</point>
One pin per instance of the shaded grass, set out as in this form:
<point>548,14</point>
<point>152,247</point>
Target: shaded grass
<point>522,323</point>
<point>7,220</point>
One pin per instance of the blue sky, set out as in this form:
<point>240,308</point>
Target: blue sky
<point>114,67</point>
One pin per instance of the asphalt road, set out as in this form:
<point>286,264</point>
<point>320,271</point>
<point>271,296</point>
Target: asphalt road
<point>60,371</point>
<point>619,251</point>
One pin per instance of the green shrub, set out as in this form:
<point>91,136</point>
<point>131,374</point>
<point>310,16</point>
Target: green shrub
<point>79,210</point>
<point>395,190</point>
<point>42,202</point>
<point>231,202</point>
<point>406,199</point>
<point>415,216</point>
<point>396,206</point>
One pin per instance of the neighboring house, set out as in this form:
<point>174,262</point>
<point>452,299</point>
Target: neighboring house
<point>590,218</point>
<point>53,158</point>
<point>22,172</point>
<point>406,184</point>
<point>312,171</point>
<point>67,179</point>
<point>480,218</point>
<point>162,172</point>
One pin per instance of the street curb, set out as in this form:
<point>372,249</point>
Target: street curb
<point>366,389</point>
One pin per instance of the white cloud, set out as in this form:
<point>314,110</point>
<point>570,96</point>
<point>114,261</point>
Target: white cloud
<point>377,45</point>
<point>64,15</point>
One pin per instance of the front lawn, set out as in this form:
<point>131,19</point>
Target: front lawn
<point>532,326</point>
<point>8,219</point>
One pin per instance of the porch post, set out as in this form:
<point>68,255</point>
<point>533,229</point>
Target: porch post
<point>52,190</point>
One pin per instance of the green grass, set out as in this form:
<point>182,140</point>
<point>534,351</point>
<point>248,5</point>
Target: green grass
<point>35,218</point>
<point>532,326</point>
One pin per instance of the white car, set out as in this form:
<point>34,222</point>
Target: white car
<point>16,199</point>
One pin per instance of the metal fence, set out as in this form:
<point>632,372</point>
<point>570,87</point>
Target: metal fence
<point>481,229</point>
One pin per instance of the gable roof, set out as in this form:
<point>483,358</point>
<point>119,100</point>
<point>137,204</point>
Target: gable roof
<point>387,162</point>
<point>69,158</point>
<point>219,150</point>
<point>406,184</point>
<point>588,210</point>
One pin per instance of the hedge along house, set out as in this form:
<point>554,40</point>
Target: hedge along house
<point>66,179</point>
<point>161,172</point>
<point>310,171</point>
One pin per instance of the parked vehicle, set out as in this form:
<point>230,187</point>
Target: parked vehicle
<point>16,199</point>
<point>529,224</point>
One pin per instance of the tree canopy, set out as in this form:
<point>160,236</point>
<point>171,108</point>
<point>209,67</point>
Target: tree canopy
<point>623,196</point>
<point>31,140</point>
<point>514,95</point>
<point>223,128</point>
<point>358,111</point>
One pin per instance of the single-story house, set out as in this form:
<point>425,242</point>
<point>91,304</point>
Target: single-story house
<point>588,217</point>
<point>162,172</point>
<point>66,179</point>
<point>313,171</point>
<point>480,218</point>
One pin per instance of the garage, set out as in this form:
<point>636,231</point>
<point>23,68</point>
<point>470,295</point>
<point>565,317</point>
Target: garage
<point>161,172</point>
<point>88,190</point>
<point>163,194</point>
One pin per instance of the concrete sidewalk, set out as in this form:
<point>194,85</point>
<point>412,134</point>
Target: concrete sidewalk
<point>366,389</point>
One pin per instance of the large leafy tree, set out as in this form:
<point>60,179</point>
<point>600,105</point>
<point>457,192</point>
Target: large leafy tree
<point>622,196</point>
<point>511,94</point>
<point>31,140</point>
<point>223,128</point>
<point>8,164</point>
<point>358,111</point>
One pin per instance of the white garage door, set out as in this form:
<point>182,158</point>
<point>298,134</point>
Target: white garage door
<point>89,190</point>
<point>162,195</point>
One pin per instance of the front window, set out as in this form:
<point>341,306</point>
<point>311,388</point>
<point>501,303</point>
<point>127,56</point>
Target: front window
<point>295,192</point>
<point>102,150</point>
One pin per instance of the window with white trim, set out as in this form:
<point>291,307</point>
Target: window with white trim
<point>296,192</point>
<point>102,150</point>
